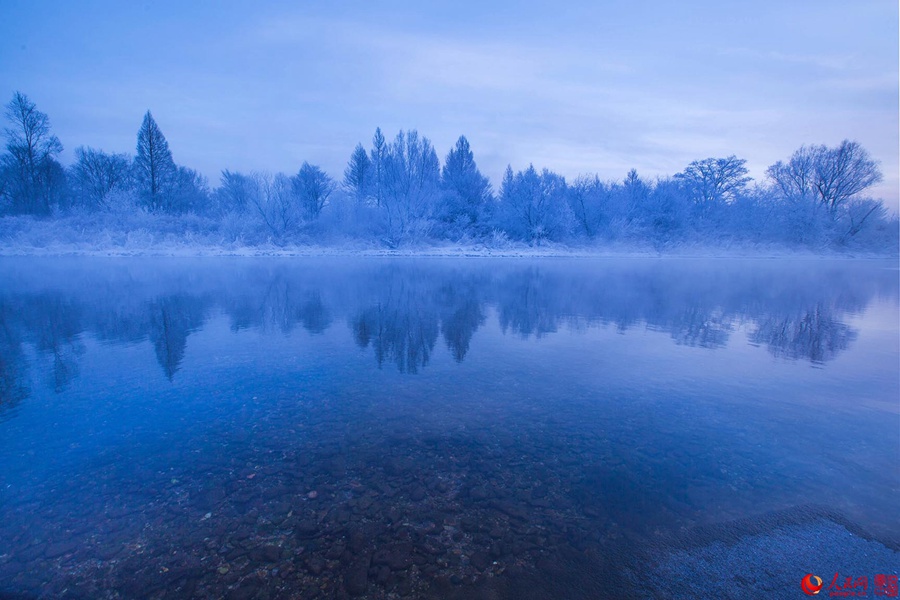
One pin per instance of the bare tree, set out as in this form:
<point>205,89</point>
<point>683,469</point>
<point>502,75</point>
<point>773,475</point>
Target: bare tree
<point>312,187</point>
<point>830,175</point>
<point>274,201</point>
<point>714,180</point>
<point>96,174</point>
<point>590,201</point>
<point>31,171</point>
<point>5,180</point>
<point>843,172</point>
<point>795,178</point>
<point>234,192</point>
<point>189,192</point>
<point>857,212</point>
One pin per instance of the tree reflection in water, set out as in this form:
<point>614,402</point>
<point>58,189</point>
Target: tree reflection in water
<point>816,334</point>
<point>399,309</point>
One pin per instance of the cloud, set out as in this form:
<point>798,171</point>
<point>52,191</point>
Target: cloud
<point>821,61</point>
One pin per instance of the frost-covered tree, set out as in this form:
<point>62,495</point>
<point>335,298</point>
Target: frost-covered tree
<point>358,175</point>
<point>830,175</point>
<point>714,180</point>
<point>96,174</point>
<point>533,206</point>
<point>33,179</point>
<point>190,192</point>
<point>643,211</point>
<point>312,187</point>
<point>606,209</point>
<point>858,213</point>
<point>466,190</point>
<point>154,170</point>
<point>411,184</point>
<point>275,204</point>
<point>592,206</point>
<point>665,211</point>
<point>795,178</point>
<point>636,189</point>
<point>379,165</point>
<point>235,192</point>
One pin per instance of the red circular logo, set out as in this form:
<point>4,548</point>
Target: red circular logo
<point>811,584</point>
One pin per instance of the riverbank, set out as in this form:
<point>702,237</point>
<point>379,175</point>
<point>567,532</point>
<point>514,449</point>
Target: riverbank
<point>190,235</point>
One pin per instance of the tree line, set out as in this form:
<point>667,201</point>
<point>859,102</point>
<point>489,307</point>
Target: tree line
<point>398,192</point>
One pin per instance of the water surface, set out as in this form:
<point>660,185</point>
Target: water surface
<point>310,428</point>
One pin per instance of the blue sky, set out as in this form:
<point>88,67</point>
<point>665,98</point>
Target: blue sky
<point>578,87</point>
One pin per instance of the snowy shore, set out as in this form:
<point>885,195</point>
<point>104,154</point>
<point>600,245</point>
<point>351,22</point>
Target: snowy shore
<point>169,248</point>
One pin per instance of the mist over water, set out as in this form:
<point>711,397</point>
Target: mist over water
<point>427,427</point>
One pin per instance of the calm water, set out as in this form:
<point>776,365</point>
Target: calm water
<point>267,428</point>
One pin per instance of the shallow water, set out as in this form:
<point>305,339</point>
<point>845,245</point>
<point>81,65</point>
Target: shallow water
<point>305,428</point>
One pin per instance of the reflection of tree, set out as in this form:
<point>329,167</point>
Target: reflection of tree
<point>462,315</point>
<point>701,327</point>
<point>530,304</point>
<point>459,326</point>
<point>313,314</point>
<point>814,334</point>
<point>698,304</point>
<point>399,332</point>
<point>402,326</point>
<point>12,362</point>
<point>58,338</point>
<point>278,304</point>
<point>267,306</point>
<point>400,309</point>
<point>53,323</point>
<point>118,321</point>
<point>172,319</point>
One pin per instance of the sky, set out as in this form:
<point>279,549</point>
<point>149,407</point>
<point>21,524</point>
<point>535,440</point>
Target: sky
<point>579,87</point>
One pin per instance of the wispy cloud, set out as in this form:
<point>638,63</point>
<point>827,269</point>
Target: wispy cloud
<point>832,62</point>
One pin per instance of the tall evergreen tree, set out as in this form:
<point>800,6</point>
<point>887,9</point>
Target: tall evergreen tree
<point>358,174</point>
<point>154,168</point>
<point>379,159</point>
<point>466,189</point>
